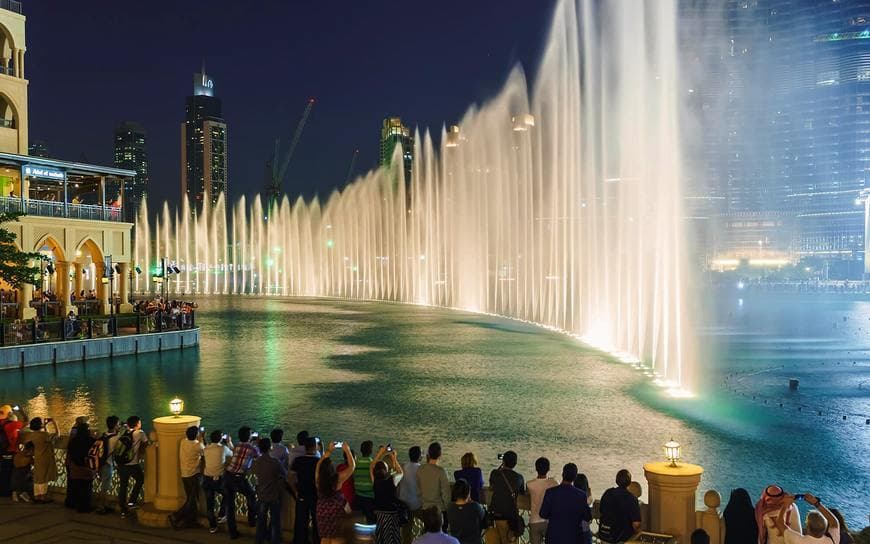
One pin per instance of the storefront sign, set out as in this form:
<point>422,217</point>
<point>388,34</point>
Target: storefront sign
<point>35,171</point>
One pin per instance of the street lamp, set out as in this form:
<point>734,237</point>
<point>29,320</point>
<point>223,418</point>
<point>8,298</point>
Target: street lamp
<point>176,406</point>
<point>672,451</point>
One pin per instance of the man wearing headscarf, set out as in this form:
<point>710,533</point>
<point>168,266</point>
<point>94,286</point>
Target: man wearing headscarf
<point>767,509</point>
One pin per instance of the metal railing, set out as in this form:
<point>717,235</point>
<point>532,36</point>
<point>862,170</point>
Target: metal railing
<point>50,208</point>
<point>11,5</point>
<point>62,330</point>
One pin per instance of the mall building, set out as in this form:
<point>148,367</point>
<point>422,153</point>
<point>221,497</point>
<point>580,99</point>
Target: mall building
<point>72,212</point>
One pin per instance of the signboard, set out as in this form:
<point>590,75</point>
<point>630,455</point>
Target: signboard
<point>45,172</point>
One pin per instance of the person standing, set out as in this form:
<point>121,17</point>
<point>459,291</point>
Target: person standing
<point>506,485</point>
<point>190,462</point>
<point>620,511</point>
<point>822,526</point>
<point>465,516</point>
<point>472,474</point>
<point>44,466</point>
<point>129,454</point>
<point>565,508</point>
<point>271,475</point>
<point>304,485</point>
<point>766,511</point>
<point>9,431</point>
<point>740,525</point>
<point>107,464</point>
<point>278,450</point>
<point>537,488</point>
<point>216,455</point>
<point>80,477</point>
<point>332,506</point>
<point>388,509</point>
<point>409,493</point>
<point>236,481</point>
<point>362,482</point>
<point>433,484</point>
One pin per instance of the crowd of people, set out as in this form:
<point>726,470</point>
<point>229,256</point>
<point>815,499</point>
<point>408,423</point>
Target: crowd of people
<point>332,486</point>
<point>167,307</point>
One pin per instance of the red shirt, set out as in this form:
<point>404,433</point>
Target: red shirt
<point>12,428</point>
<point>347,488</point>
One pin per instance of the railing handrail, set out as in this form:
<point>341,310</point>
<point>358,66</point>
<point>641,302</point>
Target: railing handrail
<point>11,5</point>
<point>32,206</point>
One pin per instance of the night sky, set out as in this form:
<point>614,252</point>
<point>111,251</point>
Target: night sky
<point>93,64</point>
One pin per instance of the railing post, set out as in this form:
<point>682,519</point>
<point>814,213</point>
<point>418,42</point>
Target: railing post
<point>114,325</point>
<point>63,323</point>
<point>90,328</point>
<point>138,323</point>
<point>33,331</point>
<point>2,333</point>
<point>159,316</point>
<point>193,319</point>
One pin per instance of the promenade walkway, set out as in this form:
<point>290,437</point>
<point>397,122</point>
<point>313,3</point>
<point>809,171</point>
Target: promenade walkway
<point>47,523</point>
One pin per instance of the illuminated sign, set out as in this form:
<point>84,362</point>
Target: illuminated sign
<point>34,171</point>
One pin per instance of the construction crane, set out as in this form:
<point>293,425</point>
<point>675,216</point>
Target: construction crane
<point>350,168</point>
<point>275,171</point>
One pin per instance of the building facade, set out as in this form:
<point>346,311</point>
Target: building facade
<point>394,133</point>
<point>203,145</point>
<point>787,150</point>
<point>130,153</point>
<point>71,213</point>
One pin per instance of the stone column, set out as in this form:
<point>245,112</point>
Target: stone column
<point>672,498</point>
<point>62,287</point>
<point>78,282</point>
<point>102,289</point>
<point>25,294</point>
<point>710,519</point>
<point>170,432</point>
<point>124,287</point>
<point>21,63</point>
<point>16,69</point>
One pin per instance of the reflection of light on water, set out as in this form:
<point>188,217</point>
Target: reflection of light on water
<point>63,410</point>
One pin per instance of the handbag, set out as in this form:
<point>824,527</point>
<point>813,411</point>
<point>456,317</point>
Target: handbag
<point>516,523</point>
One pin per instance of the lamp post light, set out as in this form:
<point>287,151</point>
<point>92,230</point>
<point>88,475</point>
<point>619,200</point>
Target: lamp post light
<point>672,452</point>
<point>176,406</point>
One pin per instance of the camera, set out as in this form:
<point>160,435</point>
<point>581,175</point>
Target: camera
<point>255,434</point>
<point>799,497</point>
<point>338,444</point>
<point>224,437</point>
<point>389,447</point>
<point>500,456</point>
<point>202,429</point>
<point>16,408</point>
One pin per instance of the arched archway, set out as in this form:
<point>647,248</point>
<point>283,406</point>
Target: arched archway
<point>88,268</point>
<point>54,284</point>
<point>8,112</point>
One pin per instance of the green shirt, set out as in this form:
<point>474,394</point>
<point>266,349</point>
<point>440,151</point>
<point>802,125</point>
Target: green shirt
<point>362,479</point>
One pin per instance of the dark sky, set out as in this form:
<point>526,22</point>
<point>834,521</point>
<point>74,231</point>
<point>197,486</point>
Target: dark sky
<point>93,64</point>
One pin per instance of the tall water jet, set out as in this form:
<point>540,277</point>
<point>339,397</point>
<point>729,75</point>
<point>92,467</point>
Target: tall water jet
<point>561,206</point>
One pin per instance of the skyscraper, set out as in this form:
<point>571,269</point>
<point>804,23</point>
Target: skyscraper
<point>203,145</point>
<point>130,154</point>
<point>792,112</point>
<point>395,133</point>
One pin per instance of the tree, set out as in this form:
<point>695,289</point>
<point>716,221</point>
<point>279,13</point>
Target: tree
<point>15,266</point>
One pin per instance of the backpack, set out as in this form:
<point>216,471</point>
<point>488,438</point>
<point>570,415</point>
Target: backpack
<point>4,440</point>
<point>95,459</point>
<point>106,452</point>
<point>124,453</point>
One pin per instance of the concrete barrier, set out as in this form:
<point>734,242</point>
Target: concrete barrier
<point>27,355</point>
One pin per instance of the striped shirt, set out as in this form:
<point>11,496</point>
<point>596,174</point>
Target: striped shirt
<point>243,455</point>
<point>362,479</point>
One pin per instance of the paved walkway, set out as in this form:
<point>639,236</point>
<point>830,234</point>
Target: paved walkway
<point>24,523</point>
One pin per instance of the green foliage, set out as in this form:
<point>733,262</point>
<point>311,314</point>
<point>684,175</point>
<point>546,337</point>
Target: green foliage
<point>15,266</point>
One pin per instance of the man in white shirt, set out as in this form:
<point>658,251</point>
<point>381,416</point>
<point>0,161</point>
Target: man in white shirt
<point>536,489</point>
<point>278,450</point>
<point>409,493</point>
<point>768,507</point>
<point>216,454</point>
<point>190,452</point>
<point>822,526</point>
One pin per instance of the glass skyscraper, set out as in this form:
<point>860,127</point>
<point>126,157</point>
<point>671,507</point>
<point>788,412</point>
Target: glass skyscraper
<point>394,133</point>
<point>203,145</point>
<point>786,111</point>
<point>130,153</point>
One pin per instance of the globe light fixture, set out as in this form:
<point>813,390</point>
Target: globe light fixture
<point>176,405</point>
<point>672,451</point>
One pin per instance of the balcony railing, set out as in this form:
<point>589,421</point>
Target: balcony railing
<point>48,208</point>
<point>11,5</point>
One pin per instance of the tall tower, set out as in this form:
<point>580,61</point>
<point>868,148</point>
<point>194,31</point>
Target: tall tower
<point>395,133</point>
<point>130,154</point>
<point>13,86</point>
<point>203,145</point>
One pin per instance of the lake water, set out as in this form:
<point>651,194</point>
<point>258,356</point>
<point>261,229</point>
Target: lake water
<point>409,375</point>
